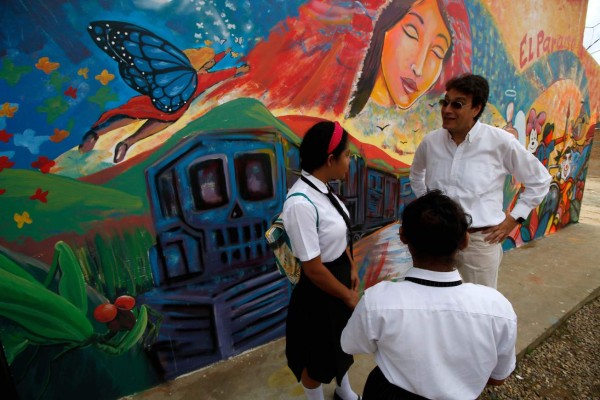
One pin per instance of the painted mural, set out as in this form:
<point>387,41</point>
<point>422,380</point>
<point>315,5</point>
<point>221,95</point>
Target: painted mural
<point>146,146</point>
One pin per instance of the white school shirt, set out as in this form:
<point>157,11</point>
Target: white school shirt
<point>438,342</point>
<point>473,173</point>
<point>300,222</point>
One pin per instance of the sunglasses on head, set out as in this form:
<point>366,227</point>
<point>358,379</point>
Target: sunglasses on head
<point>457,105</point>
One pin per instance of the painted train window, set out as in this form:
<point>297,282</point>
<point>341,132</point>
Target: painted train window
<point>254,176</point>
<point>375,194</point>
<point>209,187</point>
<point>292,164</point>
<point>167,194</point>
<point>351,188</point>
<point>391,186</point>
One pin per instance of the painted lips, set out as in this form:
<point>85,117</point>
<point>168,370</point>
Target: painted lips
<point>409,85</point>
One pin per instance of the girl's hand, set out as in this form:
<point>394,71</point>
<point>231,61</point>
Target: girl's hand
<point>351,300</point>
<point>354,280</point>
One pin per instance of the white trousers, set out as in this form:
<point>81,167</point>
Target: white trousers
<point>480,261</point>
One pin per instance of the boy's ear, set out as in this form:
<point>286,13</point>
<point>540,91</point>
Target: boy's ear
<point>402,237</point>
<point>464,242</point>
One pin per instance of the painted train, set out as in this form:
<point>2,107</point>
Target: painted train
<point>213,196</point>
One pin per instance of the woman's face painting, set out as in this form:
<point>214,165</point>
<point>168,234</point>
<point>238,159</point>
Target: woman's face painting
<point>414,51</point>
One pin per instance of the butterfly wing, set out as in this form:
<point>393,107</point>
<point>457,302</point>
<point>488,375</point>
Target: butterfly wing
<point>148,64</point>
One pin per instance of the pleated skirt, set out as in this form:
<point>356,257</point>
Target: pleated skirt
<point>314,327</point>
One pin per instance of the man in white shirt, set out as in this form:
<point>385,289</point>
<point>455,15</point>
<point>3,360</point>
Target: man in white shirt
<point>433,336</point>
<point>469,161</point>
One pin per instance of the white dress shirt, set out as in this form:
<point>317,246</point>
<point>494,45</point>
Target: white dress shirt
<point>300,222</point>
<point>438,342</point>
<point>473,173</point>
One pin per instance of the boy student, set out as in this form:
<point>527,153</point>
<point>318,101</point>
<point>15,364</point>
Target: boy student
<point>433,336</point>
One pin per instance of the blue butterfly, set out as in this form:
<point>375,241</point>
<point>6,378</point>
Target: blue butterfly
<point>148,64</point>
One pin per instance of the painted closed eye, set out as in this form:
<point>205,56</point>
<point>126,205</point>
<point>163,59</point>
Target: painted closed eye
<point>438,51</point>
<point>411,31</point>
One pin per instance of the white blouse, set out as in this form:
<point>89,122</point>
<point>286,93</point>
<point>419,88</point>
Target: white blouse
<point>300,222</point>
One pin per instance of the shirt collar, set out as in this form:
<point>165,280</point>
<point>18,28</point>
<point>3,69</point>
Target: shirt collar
<point>473,133</point>
<point>317,182</point>
<point>435,276</point>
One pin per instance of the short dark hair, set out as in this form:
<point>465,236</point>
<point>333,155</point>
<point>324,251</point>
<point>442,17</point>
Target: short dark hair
<point>434,225</point>
<point>475,85</point>
<point>313,149</point>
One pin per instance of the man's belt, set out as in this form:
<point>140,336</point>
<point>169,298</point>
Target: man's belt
<point>481,228</point>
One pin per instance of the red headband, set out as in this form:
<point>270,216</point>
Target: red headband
<point>336,138</point>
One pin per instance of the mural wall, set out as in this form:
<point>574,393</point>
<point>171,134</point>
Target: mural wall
<point>145,147</point>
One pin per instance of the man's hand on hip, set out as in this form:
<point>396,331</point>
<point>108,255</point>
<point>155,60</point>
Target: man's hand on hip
<point>496,234</point>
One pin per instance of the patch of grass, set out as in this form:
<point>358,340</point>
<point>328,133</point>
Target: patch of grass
<point>117,264</point>
<point>71,205</point>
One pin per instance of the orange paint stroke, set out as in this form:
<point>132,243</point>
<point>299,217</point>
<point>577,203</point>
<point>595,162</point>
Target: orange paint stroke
<point>22,219</point>
<point>83,72</point>
<point>59,135</point>
<point>8,111</point>
<point>104,77</point>
<point>44,64</point>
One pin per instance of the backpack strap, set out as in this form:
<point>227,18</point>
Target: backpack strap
<point>310,201</point>
<point>335,203</point>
